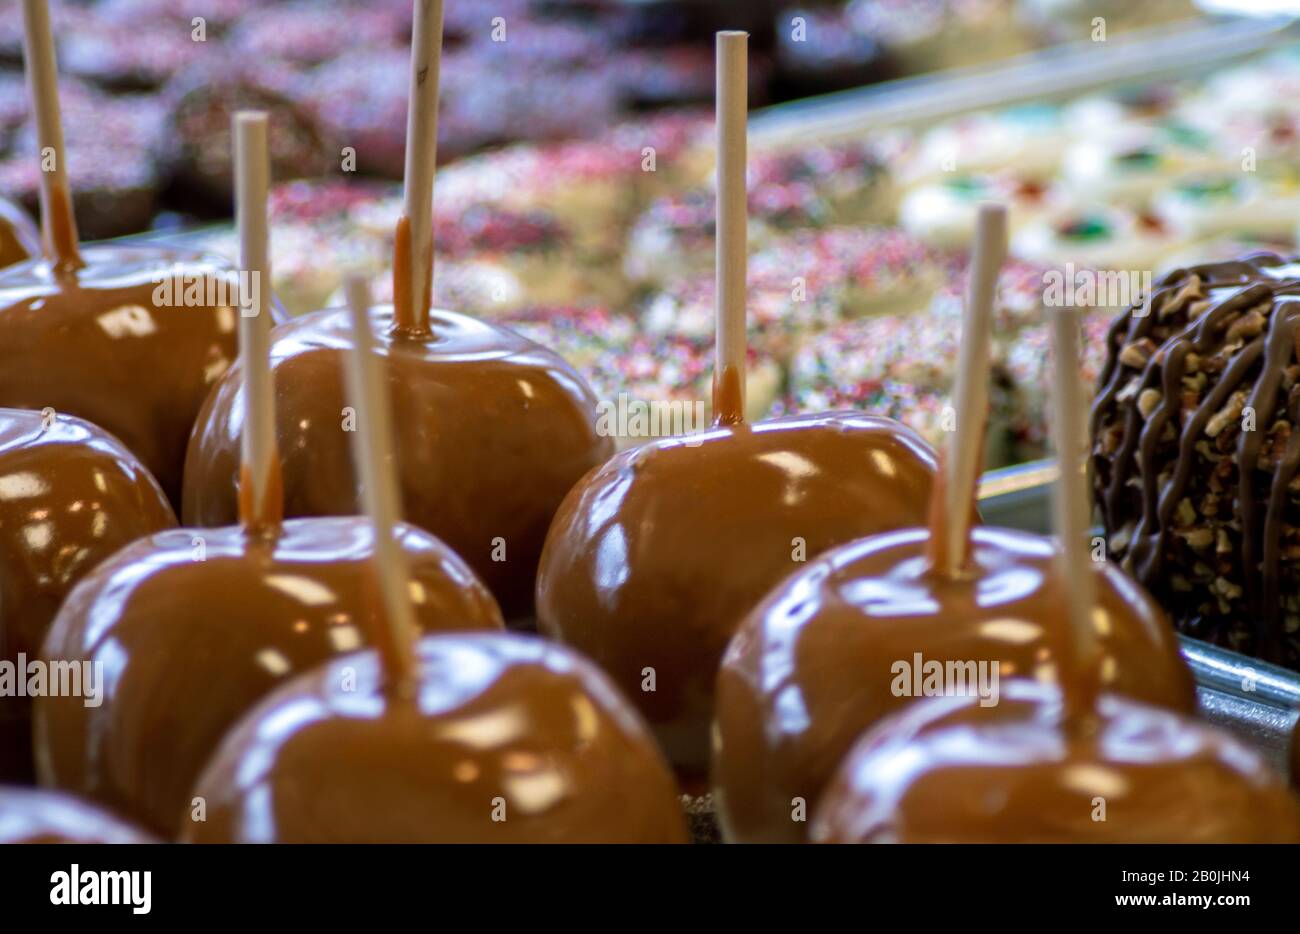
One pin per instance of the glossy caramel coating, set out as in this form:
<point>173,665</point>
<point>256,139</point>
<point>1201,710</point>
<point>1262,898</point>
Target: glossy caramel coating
<point>19,238</point>
<point>503,726</point>
<point>492,431</point>
<point>654,559</point>
<point>195,626</point>
<point>70,496</point>
<point>947,770</point>
<point>92,342</point>
<point>811,668</point>
<point>29,815</point>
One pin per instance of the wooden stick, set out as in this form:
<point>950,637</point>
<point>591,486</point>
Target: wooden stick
<point>261,498</point>
<point>58,223</point>
<point>373,451</point>
<point>1072,512</point>
<point>971,391</point>
<point>732,250</point>
<point>413,259</point>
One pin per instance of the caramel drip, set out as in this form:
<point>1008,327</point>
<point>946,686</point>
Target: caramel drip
<point>728,407</point>
<point>258,517</point>
<point>60,226</point>
<point>1272,351</point>
<point>408,318</point>
<point>403,310</point>
<point>936,551</point>
<point>937,548</point>
<point>399,669</point>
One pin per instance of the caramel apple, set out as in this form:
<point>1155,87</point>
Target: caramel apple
<point>197,625</point>
<point>1064,761</point>
<point>508,739</point>
<point>654,559</point>
<point>30,815</point>
<point>19,238</point>
<point>128,337</point>
<point>846,639</point>
<point>948,771</point>
<point>831,642</point>
<point>474,738</point>
<point>91,342</point>
<point>495,429</point>
<point>70,496</point>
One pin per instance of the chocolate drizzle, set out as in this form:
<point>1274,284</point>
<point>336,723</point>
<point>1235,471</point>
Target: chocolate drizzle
<point>1192,329</point>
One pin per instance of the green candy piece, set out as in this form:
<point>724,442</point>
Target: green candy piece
<point>1207,189</point>
<point>966,186</point>
<point>1084,229</point>
<point>1138,160</point>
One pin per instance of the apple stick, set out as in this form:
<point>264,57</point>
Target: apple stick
<point>261,497</point>
<point>971,392</point>
<point>1071,508</point>
<point>413,259</point>
<point>58,223</point>
<point>373,452</point>
<point>732,259</point>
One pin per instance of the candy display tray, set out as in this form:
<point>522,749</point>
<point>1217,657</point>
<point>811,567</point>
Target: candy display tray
<point>1255,700</point>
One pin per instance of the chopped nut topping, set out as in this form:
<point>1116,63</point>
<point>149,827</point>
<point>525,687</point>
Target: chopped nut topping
<point>1249,325</point>
<point>1137,353</point>
<point>1230,412</point>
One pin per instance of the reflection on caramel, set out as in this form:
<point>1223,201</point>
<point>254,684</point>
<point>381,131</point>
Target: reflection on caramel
<point>92,343</point>
<point>492,431</point>
<point>19,238</point>
<point>31,816</point>
<point>70,496</point>
<point>510,739</point>
<point>194,626</point>
<point>947,770</point>
<point>655,558</point>
<point>811,668</point>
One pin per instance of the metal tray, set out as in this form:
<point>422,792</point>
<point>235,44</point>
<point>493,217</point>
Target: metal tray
<point>1061,72</point>
<point>1257,701</point>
